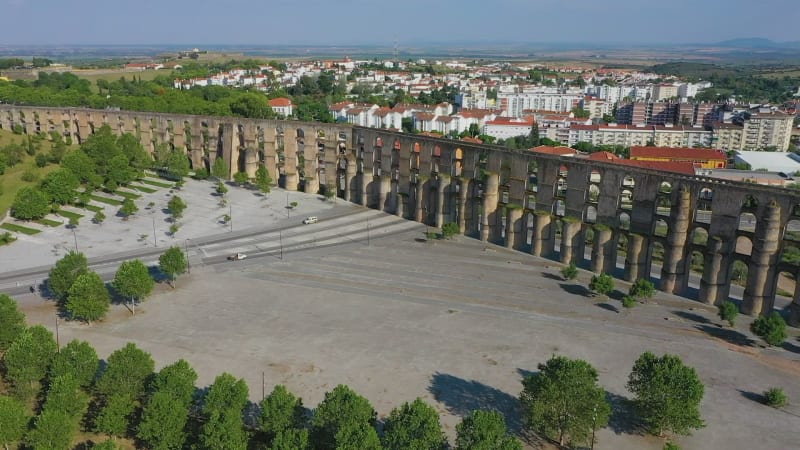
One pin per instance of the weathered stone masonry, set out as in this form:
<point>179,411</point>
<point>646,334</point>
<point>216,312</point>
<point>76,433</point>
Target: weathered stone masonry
<point>549,206</point>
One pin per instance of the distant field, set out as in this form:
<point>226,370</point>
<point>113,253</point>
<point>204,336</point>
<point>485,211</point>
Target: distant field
<point>780,73</point>
<point>115,74</point>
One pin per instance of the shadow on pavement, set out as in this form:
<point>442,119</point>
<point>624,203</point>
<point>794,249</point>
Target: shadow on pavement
<point>623,419</point>
<point>691,316</point>
<point>575,289</point>
<point>461,397</point>
<point>726,334</point>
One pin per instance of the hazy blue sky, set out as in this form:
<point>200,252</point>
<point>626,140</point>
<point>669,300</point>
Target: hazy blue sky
<point>199,22</point>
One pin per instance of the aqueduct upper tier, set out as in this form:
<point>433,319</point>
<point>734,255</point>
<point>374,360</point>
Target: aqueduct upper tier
<point>574,210</point>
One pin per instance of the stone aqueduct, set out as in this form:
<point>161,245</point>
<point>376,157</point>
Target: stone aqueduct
<point>542,204</point>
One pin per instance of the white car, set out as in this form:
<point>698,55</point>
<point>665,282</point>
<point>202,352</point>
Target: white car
<point>312,219</point>
<point>237,256</point>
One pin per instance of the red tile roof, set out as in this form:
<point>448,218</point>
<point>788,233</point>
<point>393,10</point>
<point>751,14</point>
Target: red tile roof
<point>603,156</point>
<point>548,150</point>
<point>678,153</point>
<point>280,102</point>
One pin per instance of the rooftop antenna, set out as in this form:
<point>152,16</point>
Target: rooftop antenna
<point>396,51</point>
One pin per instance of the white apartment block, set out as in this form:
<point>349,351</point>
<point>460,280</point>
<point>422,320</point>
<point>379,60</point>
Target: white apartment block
<point>542,98</point>
<point>766,128</point>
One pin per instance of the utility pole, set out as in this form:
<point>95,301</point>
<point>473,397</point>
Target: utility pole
<point>75,236</point>
<point>188,263</point>
<point>287,205</point>
<point>58,341</point>
<point>155,240</point>
<point>230,214</point>
<point>280,239</point>
<point>367,232</point>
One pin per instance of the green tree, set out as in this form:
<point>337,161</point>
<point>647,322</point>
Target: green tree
<point>450,229</point>
<point>52,430</point>
<point>357,436</point>
<point>221,188</point>
<point>223,408</point>
<point>775,397</point>
<point>413,426</point>
<point>173,263</point>
<point>13,421</point>
<point>241,178</point>
<point>263,180</point>
<point>65,394</point>
<point>131,147</point>
<point>101,146</point>
<point>77,359</point>
<point>128,208</point>
<point>79,163</point>
<point>564,402</point>
<point>642,289</point>
<point>667,394</point>
<point>728,311</point>
<point>601,284</point>
<point>280,410</point>
<point>771,328</point>
<point>12,322</point>
<point>133,281</point>
<point>569,272</point>
<point>291,439</point>
<point>27,359</point>
<point>176,207</point>
<point>60,185</point>
<point>341,408</point>
<point>115,416</point>
<point>178,164</point>
<point>120,171</point>
<point>126,373</point>
<point>580,113</point>
<point>88,298</point>
<point>166,413</point>
<point>65,272</point>
<point>99,217</point>
<point>219,169</point>
<point>485,430</point>
<point>252,105</point>
<point>30,203</point>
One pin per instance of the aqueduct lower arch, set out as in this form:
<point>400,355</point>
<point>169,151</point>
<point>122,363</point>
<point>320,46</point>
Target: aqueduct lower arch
<point>492,193</point>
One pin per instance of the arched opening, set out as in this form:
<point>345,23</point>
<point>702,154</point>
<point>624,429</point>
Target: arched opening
<point>657,252</point>
<point>588,236</point>
<point>396,144</point>
<point>459,154</point>
<point>665,188</point>
<point>626,199</point>
<point>663,204</point>
<point>704,199</point>
<point>786,284</point>
<point>622,245</point>
<point>559,208</point>
<point>529,228</point>
<point>437,151</point>
<point>792,231</point>
<point>300,133</point>
<point>696,262</point>
<point>624,221</point>
<point>699,236</point>
<point>590,215</point>
<point>563,171</point>
<point>739,272</point>
<point>747,221</point>
<point>417,147</point>
<point>790,254</point>
<point>750,202</point>
<point>628,182</point>
<point>593,193</point>
<point>595,176</point>
<point>661,228</point>
<point>744,246</point>
<point>561,187</point>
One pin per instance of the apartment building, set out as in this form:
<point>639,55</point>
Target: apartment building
<point>508,127</point>
<point>539,98</point>
<point>765,128</point>
<point>662,113</point>
<point>664,92</point>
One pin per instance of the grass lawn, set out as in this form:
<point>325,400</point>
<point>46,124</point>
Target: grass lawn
<point>69,214</point>
<point>143,189</point>
<point>48,222</point>
<point>116,74</point>
<point>129,195</point>
<point>19,228</point>
<point>107,201</point>
<point>157,183</point>
<point>11,181</point>
<point>93,208</point>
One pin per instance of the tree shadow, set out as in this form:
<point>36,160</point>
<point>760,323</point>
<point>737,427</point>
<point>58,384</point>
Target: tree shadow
<point>575,289</point>
<point>754,396</point>
<point>552,276</point>
<point>616,294</point>
<point>791,347</point>
<point>461,397</point>
<point>623,418</point>
<point>692,316</point>
<point>727,335</point>
<point>157,274</point>
<point>608,307</point>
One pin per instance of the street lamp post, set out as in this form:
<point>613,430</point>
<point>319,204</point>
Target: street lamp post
<point>188,262</point>
<point>75,237</point>
<point>155,239</point>
<point>230,214</point>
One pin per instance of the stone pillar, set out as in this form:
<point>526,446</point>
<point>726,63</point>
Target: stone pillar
<point>713,271</point>
<point>311,185</point>
<point>400,206</point>
<point>349,175</point>
<point>601,250</point>
<point>794,307</point>
<point>441,188</point>
<point>757,298</point>
<point>672,272</point>
<point>418,213</point>
<point>569,229</point>
<point>251,162</point>
<point>463,192</point>
<point>541,235</point>
<point>365,179</point>
<point>384,193</point>
<point>489,218</point>
<point>513,225</point>
<point>636,261</point>
<point>290,163</point>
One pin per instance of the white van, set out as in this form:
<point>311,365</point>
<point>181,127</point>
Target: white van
<point>311,219</point>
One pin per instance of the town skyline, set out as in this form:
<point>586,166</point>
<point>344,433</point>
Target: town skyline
<point>317,23</point>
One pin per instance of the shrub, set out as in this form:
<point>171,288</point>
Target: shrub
<point>450,229</point>
<point>41,160</point>
<point>293,205</point>
<point>569,272</point>
<point>771,328</point>
<point>642,289</point>
<point>201,174</point>
<point>671,446</point>
<point>775,397</point>
<point>602,284</point>
<point>628,301</point>
<point>728,312</point>
<point>29,176</point>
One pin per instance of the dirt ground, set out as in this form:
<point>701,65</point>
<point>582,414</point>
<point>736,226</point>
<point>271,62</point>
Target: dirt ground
<point>458,323</point>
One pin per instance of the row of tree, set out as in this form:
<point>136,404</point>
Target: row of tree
<point>68,390</point>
